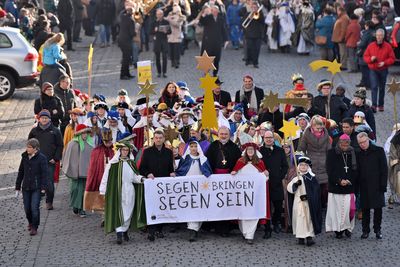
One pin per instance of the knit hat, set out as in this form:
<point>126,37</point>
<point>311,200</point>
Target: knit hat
<point>344,137</point>
<point>361,93</point>
<point>44,112</point>
<point>303,116</point>
<point>81,128</point>
<point>122,92</point>
<point>45,86</point>
<point>248,76</point>
<point>322,83</point>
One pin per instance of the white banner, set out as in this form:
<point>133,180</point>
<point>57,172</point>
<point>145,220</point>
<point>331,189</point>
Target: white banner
<point>198,199</point>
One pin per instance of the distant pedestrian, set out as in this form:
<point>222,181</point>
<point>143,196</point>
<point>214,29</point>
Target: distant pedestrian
<point>32,174</point>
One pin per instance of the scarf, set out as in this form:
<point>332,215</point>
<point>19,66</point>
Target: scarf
<point>351,152</point>
<point>81,143</point>
<point>44,127</point>
<point>317,134</point>
<point>253,99</point>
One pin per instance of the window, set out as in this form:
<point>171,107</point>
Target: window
<point>5,42</point>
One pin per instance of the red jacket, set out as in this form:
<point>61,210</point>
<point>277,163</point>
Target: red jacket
<point>383,53</point>
<point>353,33</point>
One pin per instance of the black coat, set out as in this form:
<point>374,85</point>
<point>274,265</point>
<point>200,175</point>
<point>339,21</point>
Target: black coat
<point>52,104</point>
<point>223,98</point>
<point>338,108</point>
<point>259,96</point>
<point>170,101</point>
<point>67,99</point>
<point>127,29</point>
<point>160,37</point>
<point>105,12</point>
<point>215,34</point>
<point>372,176</point>
<point>78,10</point>
<point>336,172</point>
<point>65,12</point>
<point>40,38</point>
<point>50,140</point>
<point>277,166</point>
<point>158,162</point>
<point>217,151</point>
<point>256,28</point>
<point>32,173</point>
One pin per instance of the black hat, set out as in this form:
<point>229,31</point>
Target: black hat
<point>122,92</point>
<point>101,105</point>
<point>218,82</point>
<point>304,159</point>
<point>123,105</point>
<point>141,101</point>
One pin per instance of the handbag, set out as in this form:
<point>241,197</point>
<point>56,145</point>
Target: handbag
<point>320,40</point>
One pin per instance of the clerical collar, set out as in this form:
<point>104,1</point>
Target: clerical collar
<point>270,147</point>
<point>224,142</point>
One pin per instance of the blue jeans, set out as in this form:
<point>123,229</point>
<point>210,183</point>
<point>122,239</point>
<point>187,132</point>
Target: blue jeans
<point>50,183</point>
<point>235,35</point>
<point>105,31</point>
<point>135,53</point>
<point>31,206</point>
<point>378,84</point>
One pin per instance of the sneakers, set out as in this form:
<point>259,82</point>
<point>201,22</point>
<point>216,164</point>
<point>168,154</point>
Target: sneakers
<point>378,235</point>
<point>82,214</point>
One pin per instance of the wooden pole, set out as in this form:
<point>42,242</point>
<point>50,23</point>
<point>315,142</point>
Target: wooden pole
<point>147,121</point>
<point>395,111</point>
<point>90,82</point>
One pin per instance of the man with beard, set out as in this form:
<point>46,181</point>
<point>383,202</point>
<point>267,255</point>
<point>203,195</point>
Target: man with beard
<point>222,156</point>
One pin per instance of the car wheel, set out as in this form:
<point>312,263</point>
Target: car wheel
<point>7,85</point>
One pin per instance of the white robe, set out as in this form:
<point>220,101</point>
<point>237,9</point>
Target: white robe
<point>286,28</point>
<point>127,191</point>
<point>338,213</point>
<point>301,219</point>
<point>248,227</point>
<point>272,43</point>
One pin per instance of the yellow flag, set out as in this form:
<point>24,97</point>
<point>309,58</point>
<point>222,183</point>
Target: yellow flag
<point>90,56</point>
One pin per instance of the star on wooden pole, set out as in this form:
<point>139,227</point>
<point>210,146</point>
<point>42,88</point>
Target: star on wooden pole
<point>170,133</point>
<point>272,100</point>
<point>393,86</point>
<point>289,129</point>
<point>332,67</point>
<point>205,62</point>
<point>147,88</point>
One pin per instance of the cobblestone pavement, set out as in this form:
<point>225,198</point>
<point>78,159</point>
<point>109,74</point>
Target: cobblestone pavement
<point>67,240</point>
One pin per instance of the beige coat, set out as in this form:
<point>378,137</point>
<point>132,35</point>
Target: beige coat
<point>394,168</point>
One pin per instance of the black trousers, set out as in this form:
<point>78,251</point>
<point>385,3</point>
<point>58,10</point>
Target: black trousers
<point>175,53</point>
<point>126,49</point>
<point>68,35</point>
<point>278,210</point>
<point>155,228</point>
<point>77,30</point>
<point>161,55</point>
<point>213,52</point>
<point>253,50</point>
<point>367,217</point>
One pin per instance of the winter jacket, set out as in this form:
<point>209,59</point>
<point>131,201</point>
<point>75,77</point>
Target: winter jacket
<point>337,107</point>
<point>105,12</point>
<point>353,33</point>
<point>65,12</point>
<point>50,141</point>
<point>32,172</point>
<point>52,54</point>
<point>339,30</point>
<point>324,27</point>
<point>127,29</point>
<point>316,149</point>
<point>383,53</point>
<point>232,15</point>
<point>67,98</point>
<point>52,104</point>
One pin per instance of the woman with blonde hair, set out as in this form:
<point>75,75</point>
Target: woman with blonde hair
<point>53,51</point>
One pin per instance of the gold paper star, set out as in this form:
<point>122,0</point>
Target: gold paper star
<point>205,62</point>
<point>271,101</point>
<point>170,133</point>
<point>333,67</point>
<point>289,129</point>
<point>147,88</point>
<point>208,82</point>
<point>204,186</point>
<point>393,86</point>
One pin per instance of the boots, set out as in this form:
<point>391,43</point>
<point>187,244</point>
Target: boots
<point>119,238</point>
<point>193,236</point>
<point>310,241</point>
<point>268,230</point>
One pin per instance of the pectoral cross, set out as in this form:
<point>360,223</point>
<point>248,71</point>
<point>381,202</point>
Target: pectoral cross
<point>223,161</point>
<point>345,168</point>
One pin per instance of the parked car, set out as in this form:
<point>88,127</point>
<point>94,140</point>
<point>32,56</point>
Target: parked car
<point>18,62</point>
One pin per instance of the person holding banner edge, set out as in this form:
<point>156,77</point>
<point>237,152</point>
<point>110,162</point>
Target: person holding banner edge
<point>194,162</point>
<point>251,163</point>
<point>162,167</point>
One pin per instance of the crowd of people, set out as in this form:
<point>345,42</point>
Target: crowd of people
<point>106,147</point>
